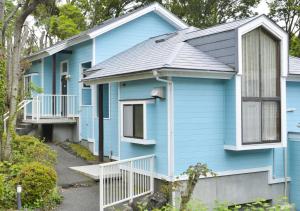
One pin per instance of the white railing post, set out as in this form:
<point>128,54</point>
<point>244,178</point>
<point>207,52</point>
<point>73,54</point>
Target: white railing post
<point>25,111</point>
<point>131,182</point>
<point>39,107</point>
<point>152,174</point>
<point>101,184</point>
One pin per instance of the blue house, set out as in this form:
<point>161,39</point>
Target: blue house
<point>158,96</point>
<point>66,108</point>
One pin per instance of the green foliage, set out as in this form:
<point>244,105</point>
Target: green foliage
<point>205,13</point>
<point>68,22</point>
<point>288,13</point>
<point>29,149</point>
<point>1,186</point>
<point>194,173</point>
<point>32,166</point>
<point>37,181</point>
<point>82,152</point>
<point>295,46</point>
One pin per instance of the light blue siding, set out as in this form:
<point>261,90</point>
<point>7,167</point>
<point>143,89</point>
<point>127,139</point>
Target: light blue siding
<point>86,128</point>
<point>200,128</point>
<point>230,112</point>
<point>294,170</point>
<point>47,75</point>
<point>278,163</point>
<point>293,102</point>
<point>156,123</point>
<point>130,34</point>
<point>111,144</point>
<point>108,45</point>
<point>86,97</point>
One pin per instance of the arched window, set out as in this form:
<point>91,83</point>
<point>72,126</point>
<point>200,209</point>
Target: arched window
<point>260,88</point>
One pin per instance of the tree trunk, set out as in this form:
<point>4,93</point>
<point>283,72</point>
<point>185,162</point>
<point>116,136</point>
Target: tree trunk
<point>27,8</point>
<point>2,80</point>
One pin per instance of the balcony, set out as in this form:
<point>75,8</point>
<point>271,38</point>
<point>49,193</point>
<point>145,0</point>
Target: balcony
<point>51,109</point>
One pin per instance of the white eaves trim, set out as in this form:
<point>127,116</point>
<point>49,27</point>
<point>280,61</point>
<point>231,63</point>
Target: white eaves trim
<point>157,8</point>
<point>163,73</point>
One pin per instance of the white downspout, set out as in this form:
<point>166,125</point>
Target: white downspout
<point>170,110</point>
<point>285,172</point>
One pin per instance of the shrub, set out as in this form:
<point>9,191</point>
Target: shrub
<point>1,186</point>
<point>29,149</point>
<point>82,152</point>
<point>7,193</point>
<point>38,182</point>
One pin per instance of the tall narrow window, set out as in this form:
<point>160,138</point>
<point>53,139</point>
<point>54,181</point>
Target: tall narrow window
<point>27,85</point>
<point>260,88</point>
<point>133,121</point>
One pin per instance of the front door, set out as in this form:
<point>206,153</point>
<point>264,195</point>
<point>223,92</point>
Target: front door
<point>64,89</point>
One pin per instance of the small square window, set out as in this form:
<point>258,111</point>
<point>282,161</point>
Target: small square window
<point>133,121</point>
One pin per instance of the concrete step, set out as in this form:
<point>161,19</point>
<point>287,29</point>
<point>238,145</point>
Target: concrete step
<point>24,128</point>
<point>23,131</point>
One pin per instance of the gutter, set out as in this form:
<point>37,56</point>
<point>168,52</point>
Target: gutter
<point>170,110</point>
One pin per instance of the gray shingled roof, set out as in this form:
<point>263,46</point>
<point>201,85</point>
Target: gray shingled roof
<point>165,51</point>
<point>294,65</point>
<point>219,28</point>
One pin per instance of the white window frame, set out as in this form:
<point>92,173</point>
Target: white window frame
<point>143,141</point>
<point>63,74</point>
<point>27,76</point>
<point>277,32</point>
<point>81,87</point>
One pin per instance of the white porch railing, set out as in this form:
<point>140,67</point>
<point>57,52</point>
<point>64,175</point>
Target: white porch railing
<point>21,105</point>
<point>125,180</point>
<point>52,106</point>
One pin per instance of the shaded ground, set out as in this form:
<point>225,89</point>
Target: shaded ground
<point>80,192</point>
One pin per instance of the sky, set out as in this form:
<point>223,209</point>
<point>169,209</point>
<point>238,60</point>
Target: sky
<point>262,8</point>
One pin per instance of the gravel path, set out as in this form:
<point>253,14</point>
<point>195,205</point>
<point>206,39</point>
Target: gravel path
<point>80,192</point>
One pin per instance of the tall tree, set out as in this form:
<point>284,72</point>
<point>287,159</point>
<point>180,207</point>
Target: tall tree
<point>205,13</point>
<point>27,8</point>
<point>287,12</point>
<point>69,21</point>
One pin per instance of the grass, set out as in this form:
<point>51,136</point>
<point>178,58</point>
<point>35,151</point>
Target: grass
<point>82,152</point>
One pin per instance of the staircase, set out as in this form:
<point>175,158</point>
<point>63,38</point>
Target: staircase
<point>24,128</point>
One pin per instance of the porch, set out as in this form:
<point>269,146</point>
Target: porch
<point>51,109</point>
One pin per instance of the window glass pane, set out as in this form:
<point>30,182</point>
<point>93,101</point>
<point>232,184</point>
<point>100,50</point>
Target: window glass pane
<point>251,122</point>
<point>65,67</point>
<point>106,100</point>
<point>128,121</point>
<point>84,67</point>
<point>268,66</point>
<point>270,120</point>
<point>250,78</point>
<point>86,97</point>
<point>138,121</point>
<point>28,85</point>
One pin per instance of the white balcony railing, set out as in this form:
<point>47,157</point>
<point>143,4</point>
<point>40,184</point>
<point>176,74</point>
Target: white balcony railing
<point>125,180</point>
<point>52,106</point>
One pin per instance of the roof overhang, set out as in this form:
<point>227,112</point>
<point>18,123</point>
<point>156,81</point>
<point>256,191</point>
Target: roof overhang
<point>155,7</point>
<point>293,77</point>
<point>210,74</point>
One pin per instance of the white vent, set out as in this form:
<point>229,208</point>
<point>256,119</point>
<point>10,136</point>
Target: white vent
<point>158,92</point>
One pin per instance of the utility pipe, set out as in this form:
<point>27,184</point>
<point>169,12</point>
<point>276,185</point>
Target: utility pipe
<point>170,129</point>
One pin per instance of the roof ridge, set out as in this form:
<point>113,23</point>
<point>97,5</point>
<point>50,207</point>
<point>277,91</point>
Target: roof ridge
<point>222,24</point>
